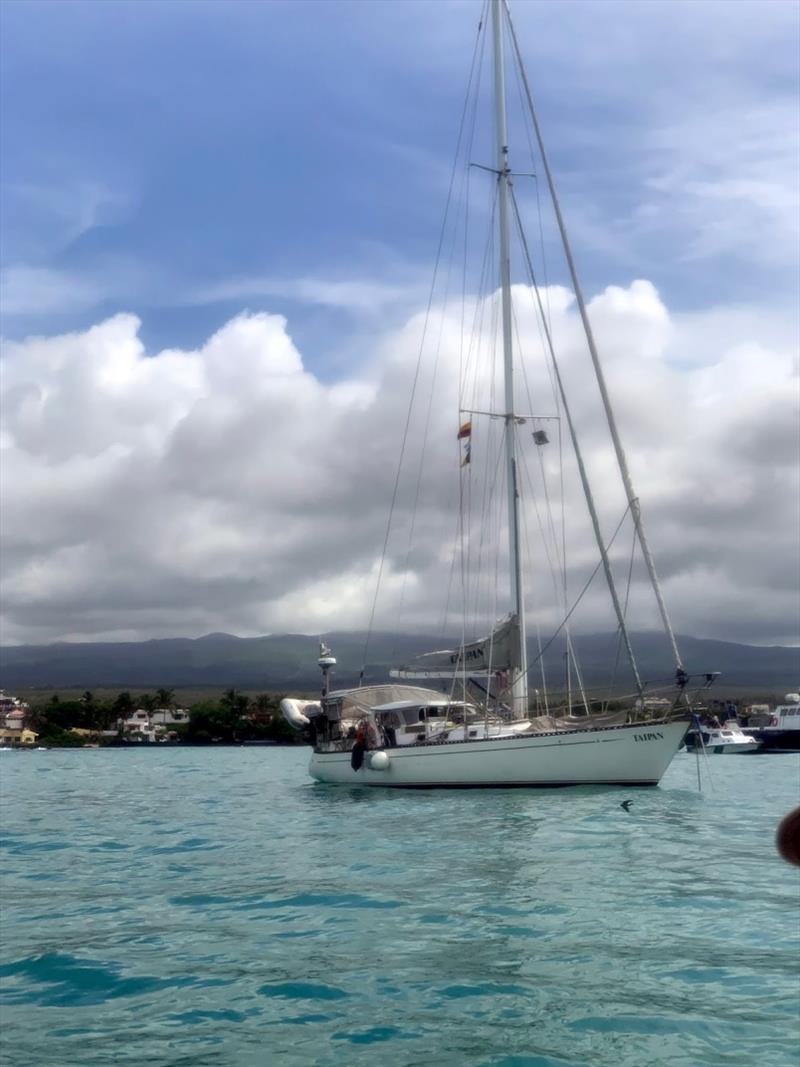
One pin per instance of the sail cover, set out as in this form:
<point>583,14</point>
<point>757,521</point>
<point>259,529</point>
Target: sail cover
<point>497,652</point>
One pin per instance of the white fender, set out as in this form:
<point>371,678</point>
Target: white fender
<point>295,711</point>
<point>378,761</point>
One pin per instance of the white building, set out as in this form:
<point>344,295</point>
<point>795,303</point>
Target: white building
<point>12,712</point>
<point>138,727</point>
<point>15,720</point>
<point>169,716</point>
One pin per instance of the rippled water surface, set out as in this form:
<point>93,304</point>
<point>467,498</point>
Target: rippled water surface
<point>214,907</point>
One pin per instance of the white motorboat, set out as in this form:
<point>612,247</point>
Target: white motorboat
<point>399,735</point>
<point>728,739</point>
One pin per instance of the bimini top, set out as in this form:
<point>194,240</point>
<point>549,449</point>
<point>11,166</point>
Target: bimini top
<point>355,702</point>
<point>439,701</point>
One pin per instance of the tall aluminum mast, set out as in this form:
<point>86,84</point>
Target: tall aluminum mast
<point>519,680</point>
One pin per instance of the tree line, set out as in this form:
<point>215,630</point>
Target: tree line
<point>232,719</point>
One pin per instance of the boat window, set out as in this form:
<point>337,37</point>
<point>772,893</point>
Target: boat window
<point>429,713</point>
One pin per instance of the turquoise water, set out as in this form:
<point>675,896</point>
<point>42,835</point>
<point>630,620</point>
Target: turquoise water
<point>214,907</point>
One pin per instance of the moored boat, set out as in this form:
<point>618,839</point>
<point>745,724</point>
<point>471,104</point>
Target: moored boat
<point>782,733</point>
<point>727,739</point>
<point>479,731</point>
<point>408,736</point>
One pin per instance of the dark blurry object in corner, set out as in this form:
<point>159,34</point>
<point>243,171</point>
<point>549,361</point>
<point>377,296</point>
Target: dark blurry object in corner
<point>788,837</point>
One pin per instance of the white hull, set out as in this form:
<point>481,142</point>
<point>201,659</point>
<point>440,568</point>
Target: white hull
<point>737,748</point>
<point>621,755</point>
<point>728,740</point>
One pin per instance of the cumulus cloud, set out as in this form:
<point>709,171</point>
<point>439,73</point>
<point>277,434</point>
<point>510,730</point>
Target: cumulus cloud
<point>228,488</point>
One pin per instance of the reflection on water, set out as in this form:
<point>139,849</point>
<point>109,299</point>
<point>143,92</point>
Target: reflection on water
<point>217,907</point>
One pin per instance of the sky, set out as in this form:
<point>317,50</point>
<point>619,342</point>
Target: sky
<point>217,229</point>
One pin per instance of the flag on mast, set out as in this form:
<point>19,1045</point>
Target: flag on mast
<point>465,435</point>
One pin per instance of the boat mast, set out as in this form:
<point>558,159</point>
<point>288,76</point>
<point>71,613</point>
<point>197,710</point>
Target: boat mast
<point>627,481</point>
<point>519,678</point>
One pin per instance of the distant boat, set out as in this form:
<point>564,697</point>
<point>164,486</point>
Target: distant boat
<point>728,739</point>
<point>478,732</point>
<point>782,734</point>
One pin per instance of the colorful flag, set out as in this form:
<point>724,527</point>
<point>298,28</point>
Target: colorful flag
<point>464,434</point>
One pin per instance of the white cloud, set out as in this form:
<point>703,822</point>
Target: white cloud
<point>359,296</point>
<point>43,218</point>
<point>229,489</point>
<point>41,294</point>
<point>26,290</point>
<point>727,178</point>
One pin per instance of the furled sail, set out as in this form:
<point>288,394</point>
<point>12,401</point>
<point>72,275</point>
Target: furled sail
<point>491,655</point>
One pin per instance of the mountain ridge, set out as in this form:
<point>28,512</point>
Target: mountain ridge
<point>288,661</point>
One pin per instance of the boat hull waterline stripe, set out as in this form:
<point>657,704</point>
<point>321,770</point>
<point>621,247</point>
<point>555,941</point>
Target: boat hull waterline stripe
<point>498,785</point>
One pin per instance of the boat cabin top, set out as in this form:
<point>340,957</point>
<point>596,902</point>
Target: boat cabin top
<point>787,716</point>
<point>429,710</point>
<point>422,716</point>
<point>406,721</point>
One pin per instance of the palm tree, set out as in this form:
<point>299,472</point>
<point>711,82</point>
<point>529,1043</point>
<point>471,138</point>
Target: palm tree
<point>236,705</point>
<point>165,698</point>
<point>123,704</point>
<point>264,707</point>
<point>233,701</point>
<point>89,713</point>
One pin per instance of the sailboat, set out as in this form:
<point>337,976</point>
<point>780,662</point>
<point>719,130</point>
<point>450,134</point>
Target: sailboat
<point>478,731</point>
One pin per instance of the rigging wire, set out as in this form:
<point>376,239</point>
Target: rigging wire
<point>619,452</point>
<point>431,390</point>
<point>476,541</point>
<point>555,571</point>
<point>477,332</point>
<point>583,591</point>
<point>618,653</point>
<point>587,491</point>
<point>534,158</point>
<point>415,382</point>
<point>529,557</point>
<point>545,329</point>
<point>551,525</point>
<point>545,321</point>
<point>467,402</point>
